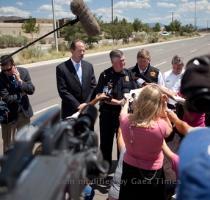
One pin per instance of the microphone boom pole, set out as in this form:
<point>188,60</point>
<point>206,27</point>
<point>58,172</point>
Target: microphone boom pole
<point>71,22</point>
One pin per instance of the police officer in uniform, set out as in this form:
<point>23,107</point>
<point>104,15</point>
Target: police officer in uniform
<point>114,82</point>
<point>144,72</point>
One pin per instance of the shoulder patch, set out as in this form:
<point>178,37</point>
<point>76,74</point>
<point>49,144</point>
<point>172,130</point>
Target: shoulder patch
<point>153,74</point>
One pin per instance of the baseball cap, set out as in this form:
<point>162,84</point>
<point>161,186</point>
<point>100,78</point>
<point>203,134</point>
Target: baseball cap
<point>197,75</point>
<point>195,84</point>
<point>194,166</point>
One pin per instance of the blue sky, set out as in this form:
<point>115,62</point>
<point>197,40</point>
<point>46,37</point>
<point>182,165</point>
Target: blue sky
<point>149,11</point>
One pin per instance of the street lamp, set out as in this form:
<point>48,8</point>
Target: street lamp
<point>54,27</point>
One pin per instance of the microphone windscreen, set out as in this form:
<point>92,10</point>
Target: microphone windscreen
<point>86,18</point>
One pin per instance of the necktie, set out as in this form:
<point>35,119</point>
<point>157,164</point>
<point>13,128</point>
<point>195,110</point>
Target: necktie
<point>79,72</point>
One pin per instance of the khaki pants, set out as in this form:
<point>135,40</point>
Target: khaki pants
<point>9,130</point>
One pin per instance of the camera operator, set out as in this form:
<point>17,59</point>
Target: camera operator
<point>114,82</point>
<point>194,150</point>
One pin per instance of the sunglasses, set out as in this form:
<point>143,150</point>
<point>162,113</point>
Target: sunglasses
<point>7,70</point>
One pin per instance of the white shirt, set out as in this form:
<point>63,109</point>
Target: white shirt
<point>78,69</point>
<point>172,81</point>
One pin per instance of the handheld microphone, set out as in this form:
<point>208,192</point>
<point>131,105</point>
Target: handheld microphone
<point>86,18</point>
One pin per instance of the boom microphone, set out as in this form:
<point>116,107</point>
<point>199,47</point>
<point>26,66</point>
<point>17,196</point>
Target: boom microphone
<point>86,18</point>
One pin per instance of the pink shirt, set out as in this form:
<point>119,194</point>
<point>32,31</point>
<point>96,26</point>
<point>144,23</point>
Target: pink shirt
<point>194,119</point>
<point>143,145</point>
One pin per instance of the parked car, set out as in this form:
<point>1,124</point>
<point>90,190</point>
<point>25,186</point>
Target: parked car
<point>165,33</point>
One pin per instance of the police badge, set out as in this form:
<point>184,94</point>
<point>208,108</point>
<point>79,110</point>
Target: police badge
<point>153,74</point>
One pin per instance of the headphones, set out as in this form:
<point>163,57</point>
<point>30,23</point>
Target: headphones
<point>198,98</point>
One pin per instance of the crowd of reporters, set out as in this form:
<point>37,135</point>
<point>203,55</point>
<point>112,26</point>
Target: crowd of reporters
<point>144,122</point>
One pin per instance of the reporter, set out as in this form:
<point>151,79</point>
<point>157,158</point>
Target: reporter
<point>143,133</point>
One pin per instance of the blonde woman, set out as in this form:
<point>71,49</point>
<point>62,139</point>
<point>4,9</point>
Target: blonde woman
<point>143,133</point>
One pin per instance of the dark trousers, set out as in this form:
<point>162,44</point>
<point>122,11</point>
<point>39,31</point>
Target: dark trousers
<point>142,184</point>
<point>109,124</point>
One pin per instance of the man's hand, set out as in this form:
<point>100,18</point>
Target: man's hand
<point>82,106</point>
<point>102,96</point>
<point>17,75</point>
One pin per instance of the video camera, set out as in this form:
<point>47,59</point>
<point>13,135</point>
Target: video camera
<point>69,156</point>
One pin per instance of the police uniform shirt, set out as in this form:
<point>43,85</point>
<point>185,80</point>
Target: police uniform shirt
<point>120,81</point>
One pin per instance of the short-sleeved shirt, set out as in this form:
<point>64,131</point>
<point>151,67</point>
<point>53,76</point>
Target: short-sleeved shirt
<point>143,145</point>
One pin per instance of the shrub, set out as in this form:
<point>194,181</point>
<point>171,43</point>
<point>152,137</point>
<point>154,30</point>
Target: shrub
<point>139,36</point>
<point>152,37</point>
<point>11,41</point>
<point>31,52</point>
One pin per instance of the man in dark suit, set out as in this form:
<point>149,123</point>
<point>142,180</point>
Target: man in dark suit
<point>75,80</point>
<point>15,85</point>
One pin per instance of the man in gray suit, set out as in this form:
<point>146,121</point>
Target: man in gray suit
<point>75,80</point>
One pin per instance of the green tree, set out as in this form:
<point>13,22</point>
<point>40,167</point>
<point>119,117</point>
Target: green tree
<point>146,28</point>
<point>119,29</point>
<point>74,32</point>
<point>175,26</point>
<point>29,26</point>
<point>189,28</point>
<point>157,27</point>
<point>138,25</point>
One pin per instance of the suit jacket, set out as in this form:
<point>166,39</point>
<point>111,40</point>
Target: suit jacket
<point>17,98</point>
<point>71,91</point>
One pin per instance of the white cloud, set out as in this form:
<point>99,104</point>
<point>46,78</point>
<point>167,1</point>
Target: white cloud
<point>66,2</point>
<point>201,5</point>
<point>60,12</point>
<point>164,19</point>
<point>166,5</point>
<point>48,8</point>
<point>12,11</point>
<point>19,3</point>
<point>132,4</point>
<point>106,14</point>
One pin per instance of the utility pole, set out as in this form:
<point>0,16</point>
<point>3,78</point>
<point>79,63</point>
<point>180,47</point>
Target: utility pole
<point>172,16</point>
<point>195,17</point>
<point>54,27</point>
<point>112,11</point>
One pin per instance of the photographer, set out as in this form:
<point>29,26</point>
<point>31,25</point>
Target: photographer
<point>15,85</point>
<point>114,82</point>
<point>194,150</point>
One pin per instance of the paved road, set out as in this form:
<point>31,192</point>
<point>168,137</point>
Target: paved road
<point>43,76</point>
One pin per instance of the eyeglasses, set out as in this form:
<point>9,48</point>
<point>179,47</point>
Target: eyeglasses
<point>7,70</point>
